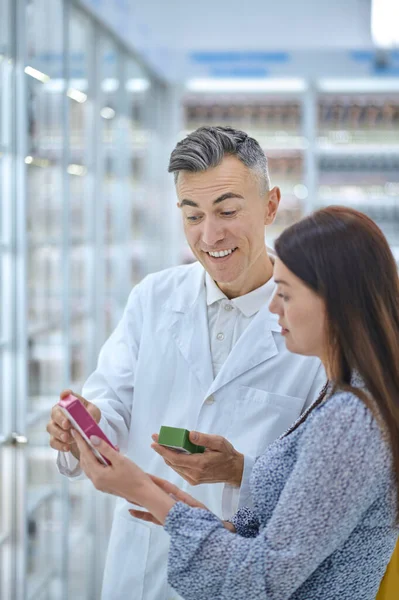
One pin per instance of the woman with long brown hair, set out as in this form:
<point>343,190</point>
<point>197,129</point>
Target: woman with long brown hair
<point>325,513</point>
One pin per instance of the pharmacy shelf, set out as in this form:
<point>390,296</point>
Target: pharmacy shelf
<point>361,150</point>
<point>40,582</point>
<point>344,144</point>
<point>39,495</point>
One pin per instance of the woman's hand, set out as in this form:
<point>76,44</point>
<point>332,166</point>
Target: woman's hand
<point>121,478</point>
<point>125,479</point>
<point>177,494</point>
<point>173,491</point>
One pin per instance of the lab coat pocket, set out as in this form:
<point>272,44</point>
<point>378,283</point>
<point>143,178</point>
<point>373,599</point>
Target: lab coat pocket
<point>127,557</point>
<point>260,417</point>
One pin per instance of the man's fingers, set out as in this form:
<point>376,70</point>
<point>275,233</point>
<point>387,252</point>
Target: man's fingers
<point>57,445</point>
<point>93,410</point>
<point>177,459</point>
<point>188,474</point>
<point>58,433</point>
<point>66,393</point>
<point>211,442</point>
<point>59,418</point>
<point>85,402</point>
<point>185,474</point>
<point>188,467</point>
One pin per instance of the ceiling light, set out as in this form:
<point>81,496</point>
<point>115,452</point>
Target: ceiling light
<point>385,23</point>
<point>137,85</point>
<point>110,84</point>
<point>363,85</point>
<point>78,170</point>
<point>77,95</point>
<point>43,163</point>
<point>37,74</point>
<point>107,112</point>
<point>301,191</point>
<point>246,85</point>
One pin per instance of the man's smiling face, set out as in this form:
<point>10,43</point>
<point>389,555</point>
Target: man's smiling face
<point>224,216</point>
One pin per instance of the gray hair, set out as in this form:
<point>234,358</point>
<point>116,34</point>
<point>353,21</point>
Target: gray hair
<point>207,146</point>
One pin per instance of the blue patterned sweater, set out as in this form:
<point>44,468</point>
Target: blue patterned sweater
<point>323,526</point>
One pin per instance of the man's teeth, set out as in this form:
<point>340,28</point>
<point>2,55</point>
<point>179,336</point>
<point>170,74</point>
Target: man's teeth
<point>220,254</point>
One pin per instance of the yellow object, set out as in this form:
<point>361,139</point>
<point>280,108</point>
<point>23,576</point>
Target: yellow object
<point>389,589</point>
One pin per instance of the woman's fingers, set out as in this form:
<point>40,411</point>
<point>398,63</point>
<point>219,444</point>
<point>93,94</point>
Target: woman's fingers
<point>166,486</point>
<point>178,494</point>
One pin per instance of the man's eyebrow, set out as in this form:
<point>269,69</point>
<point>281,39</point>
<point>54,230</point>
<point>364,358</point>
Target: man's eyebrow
<point>226,196</point>
<point>281,281</point>
<point>188,203</point>
<point>221,198</point>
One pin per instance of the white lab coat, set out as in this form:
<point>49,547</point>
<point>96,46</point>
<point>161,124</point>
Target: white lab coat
<point>156,369</point>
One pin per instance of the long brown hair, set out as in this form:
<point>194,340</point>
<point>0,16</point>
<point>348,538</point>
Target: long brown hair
<point>343,256</point>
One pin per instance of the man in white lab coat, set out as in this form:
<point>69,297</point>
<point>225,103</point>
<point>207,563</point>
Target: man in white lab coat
<point>197,348</point>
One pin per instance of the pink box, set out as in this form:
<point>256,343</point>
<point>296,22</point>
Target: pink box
<point>84,423</point>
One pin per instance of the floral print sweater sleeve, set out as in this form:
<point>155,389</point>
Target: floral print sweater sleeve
<point>329,474</point>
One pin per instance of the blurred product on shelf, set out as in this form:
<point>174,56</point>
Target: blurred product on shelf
<point>263,116</point>
<point>356,150</point>
<point>360,113</point>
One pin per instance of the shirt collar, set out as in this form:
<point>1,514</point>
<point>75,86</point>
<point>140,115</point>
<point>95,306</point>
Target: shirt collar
<point>213,292</point>
<point>249,304</point>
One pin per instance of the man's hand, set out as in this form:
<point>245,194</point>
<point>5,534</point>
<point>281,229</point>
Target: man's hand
<point>220,463</point>
<point>59,427</point>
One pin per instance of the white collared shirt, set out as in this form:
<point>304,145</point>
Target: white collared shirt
<point>228,319</point>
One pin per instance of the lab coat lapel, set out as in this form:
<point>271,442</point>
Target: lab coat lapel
<point>255,346</point>
<point>189,326</point>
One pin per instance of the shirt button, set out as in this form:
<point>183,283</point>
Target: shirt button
<point>220,336</point>
<point>228,307</point>
<point>210,400</point>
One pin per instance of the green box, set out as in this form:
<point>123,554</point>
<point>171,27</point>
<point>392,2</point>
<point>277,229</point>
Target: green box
<point>178,439</point>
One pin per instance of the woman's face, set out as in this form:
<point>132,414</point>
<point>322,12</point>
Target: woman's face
<point>302,313</point>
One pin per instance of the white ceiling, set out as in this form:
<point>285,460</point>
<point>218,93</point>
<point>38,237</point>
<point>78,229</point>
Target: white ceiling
<point>256,24</point>
<point>316,35</point>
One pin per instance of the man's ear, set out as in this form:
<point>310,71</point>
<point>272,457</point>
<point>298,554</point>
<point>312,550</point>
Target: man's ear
<point>273,201</point>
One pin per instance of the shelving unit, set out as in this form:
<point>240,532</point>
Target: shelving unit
<point>358,156</point>
<point>7,303</point>
<point>77,228</point>
<point>322,148</point>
